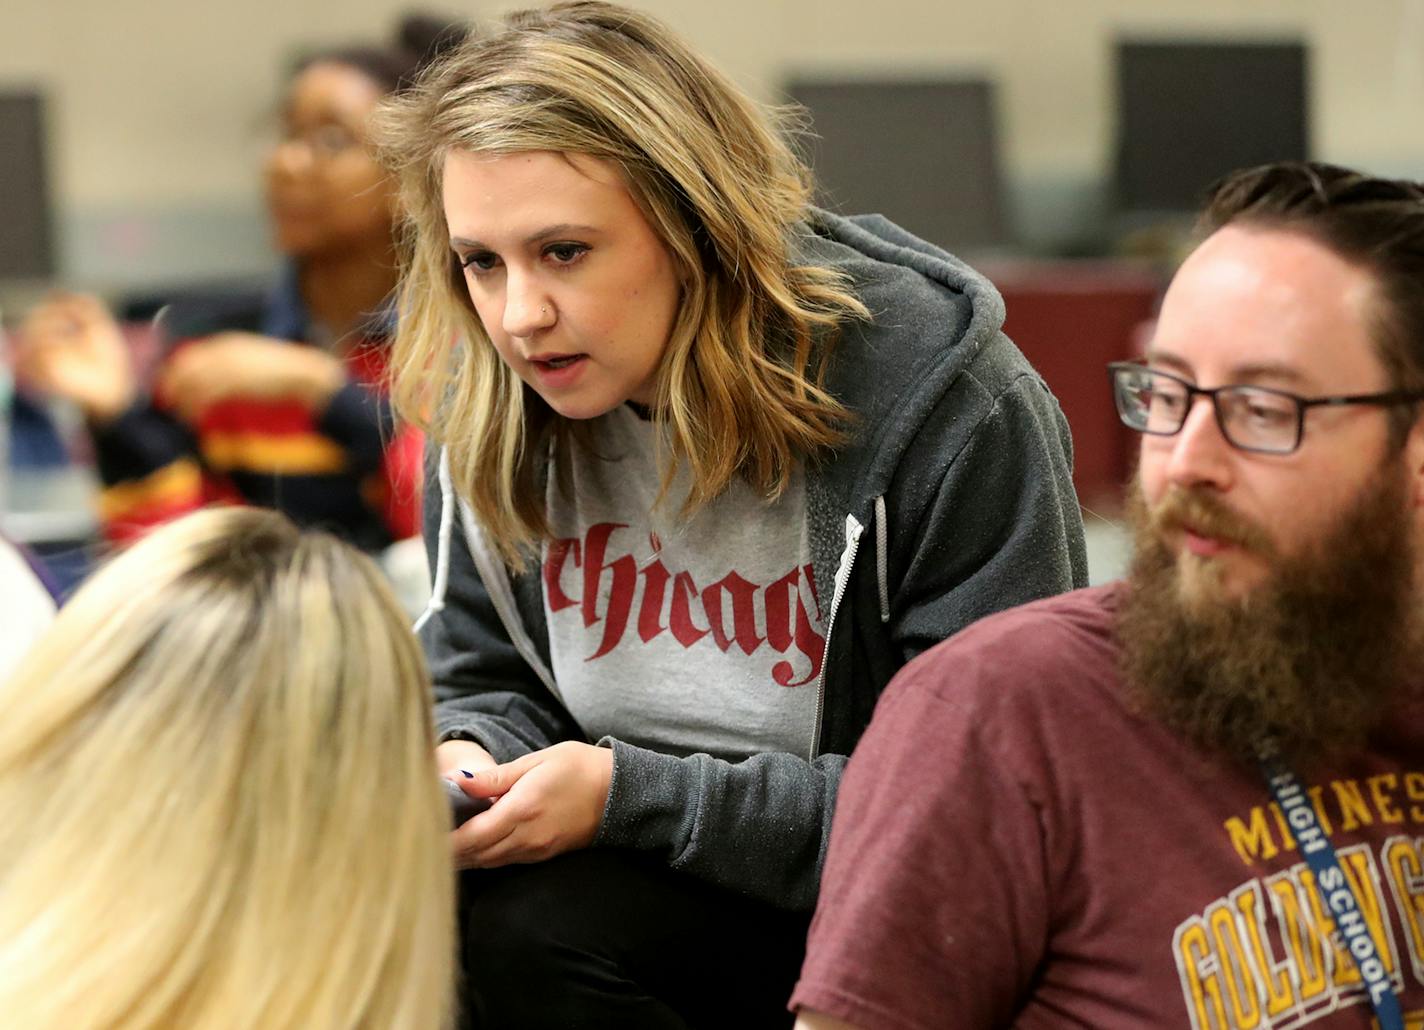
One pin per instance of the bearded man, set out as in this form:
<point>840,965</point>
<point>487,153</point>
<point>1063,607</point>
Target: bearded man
<point>1194,798</point>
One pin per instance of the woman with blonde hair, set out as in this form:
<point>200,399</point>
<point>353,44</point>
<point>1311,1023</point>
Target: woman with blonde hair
<point>219,805</point>
<point>712,466</point>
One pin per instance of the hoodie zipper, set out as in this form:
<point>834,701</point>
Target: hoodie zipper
<point>853,530</point>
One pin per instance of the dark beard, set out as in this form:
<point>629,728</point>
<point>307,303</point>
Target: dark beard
<point>1310,657</point>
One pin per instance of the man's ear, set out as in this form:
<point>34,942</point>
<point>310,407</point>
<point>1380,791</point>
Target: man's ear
<point>1414,461</point>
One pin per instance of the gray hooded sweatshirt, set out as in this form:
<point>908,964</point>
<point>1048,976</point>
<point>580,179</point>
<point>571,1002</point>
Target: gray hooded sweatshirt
<point>953,499</point>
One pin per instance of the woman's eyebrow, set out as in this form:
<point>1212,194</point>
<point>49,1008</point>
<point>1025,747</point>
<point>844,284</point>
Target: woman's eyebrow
<point>562,229</point>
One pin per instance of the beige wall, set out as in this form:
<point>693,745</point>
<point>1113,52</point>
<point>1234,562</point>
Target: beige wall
<point>157,105</point>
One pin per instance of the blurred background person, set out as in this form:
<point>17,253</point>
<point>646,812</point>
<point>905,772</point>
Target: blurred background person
<point>221,807</point>
<point>272,400</point>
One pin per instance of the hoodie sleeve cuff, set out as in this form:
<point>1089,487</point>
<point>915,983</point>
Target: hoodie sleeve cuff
<point>653,801</point>
<point>502,744</point>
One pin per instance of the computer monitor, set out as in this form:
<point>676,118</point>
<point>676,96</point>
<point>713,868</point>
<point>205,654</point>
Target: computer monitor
<point>924,153</point>
<point>27,242</point>
<point>1189,112</point>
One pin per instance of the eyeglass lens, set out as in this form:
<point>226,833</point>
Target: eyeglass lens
<point>1250,417</point>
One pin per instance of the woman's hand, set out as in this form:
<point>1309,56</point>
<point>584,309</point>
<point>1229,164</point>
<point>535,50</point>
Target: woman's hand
<point>455,757</point>
<point>247,365</point>
<point>70,347</point>
<point>546,803</point>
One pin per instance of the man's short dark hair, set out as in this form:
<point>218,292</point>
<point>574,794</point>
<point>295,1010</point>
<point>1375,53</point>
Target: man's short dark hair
<point>1373,222</point>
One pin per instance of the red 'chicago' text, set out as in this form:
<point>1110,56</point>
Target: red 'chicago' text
<point>733,610</point>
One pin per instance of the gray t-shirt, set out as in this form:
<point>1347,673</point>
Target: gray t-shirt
<point>684,636</point>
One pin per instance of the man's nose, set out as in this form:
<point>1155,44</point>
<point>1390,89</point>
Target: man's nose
<point>1201,454</point>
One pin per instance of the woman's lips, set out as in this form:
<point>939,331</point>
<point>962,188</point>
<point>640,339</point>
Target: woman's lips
<point>558,369</point>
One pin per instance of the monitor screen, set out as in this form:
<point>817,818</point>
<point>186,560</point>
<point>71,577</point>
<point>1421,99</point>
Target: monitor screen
<point>26,242</point>
<point>1190,112</point>
<point>923,153</point>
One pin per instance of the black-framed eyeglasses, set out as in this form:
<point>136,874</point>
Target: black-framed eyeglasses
<point>1251,418</point>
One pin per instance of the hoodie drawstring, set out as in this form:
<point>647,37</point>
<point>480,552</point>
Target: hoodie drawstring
<point>442,552</point>
<point>882,560</point>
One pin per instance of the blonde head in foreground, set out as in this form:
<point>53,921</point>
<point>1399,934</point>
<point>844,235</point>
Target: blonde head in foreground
<point>220,803</point>
<point>738,389</point>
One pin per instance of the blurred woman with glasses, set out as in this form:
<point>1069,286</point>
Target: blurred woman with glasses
<point>273,401</point>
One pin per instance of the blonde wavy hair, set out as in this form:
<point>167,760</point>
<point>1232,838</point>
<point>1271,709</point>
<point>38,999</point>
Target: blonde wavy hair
<point>220,803</point>
<point>740,389</point>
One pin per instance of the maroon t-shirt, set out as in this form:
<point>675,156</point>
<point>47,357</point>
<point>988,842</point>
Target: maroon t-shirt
<point>1014,844</point>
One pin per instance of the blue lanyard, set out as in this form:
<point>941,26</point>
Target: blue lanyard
<point>1334,887</point>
